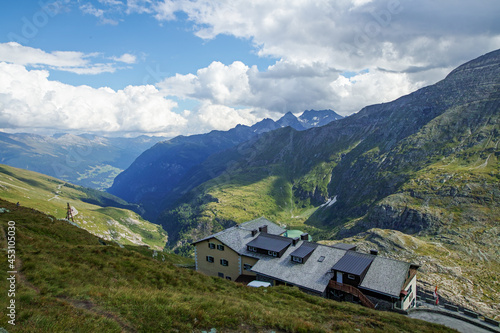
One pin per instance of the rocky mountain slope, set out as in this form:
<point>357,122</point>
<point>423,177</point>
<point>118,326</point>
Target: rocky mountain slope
<point>68,281</point>
<point>85,159</point>
<point>155,174</point>
<point>425,164</point>
<point>100,213</point>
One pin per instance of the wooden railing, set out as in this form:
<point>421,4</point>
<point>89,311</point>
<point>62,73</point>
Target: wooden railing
<point>353,291</point>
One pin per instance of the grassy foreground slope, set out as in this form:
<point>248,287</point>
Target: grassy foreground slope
<point>68,281</point>
<point>96,211</point>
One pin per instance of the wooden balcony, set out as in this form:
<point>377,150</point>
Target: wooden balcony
<point>353,291</point>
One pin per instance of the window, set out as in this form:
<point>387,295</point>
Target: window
<point>247,267</point>
<point>272,253</point>
<point>211,245</point>
<point>221,275</point>
<point>296,259</point>
<point>220,247</point>
<point>408,293</point>
<point>350,276</point>
<point>252,249</point>
<point>224,262</point>
<point>228,278</point>
<point>320,259</point>
<point>210,259</point>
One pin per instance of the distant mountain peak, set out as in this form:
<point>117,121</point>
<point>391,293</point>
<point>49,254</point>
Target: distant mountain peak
<point>313,118</point>
<point>289,119</point>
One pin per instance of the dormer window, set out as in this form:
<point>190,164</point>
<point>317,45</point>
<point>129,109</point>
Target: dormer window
<point>297,259</point>
<point>272,253</point>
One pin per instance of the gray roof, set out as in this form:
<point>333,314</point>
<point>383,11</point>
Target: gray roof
<point>354,263</point>
<point>235,238</point>
<point>238,236</point>
<point>312,274</point>
<point>269,242</point>
<point>386,276</point>
<point>272,228</point>
<point>304,250</point>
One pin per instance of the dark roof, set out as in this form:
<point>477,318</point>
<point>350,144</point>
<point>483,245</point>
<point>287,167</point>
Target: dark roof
<point>245,279</point>
<point>344,246</point>
<point>236,237</point>
<point>304,250</point>
<point>270,242</point>
<point>354,263</point>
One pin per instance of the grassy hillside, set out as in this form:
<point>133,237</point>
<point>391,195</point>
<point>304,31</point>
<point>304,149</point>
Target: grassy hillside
<point>68,281</point>
<point>98,212</point>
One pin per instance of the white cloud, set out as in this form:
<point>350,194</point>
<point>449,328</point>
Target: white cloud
<point>210,116</point>
<point>28,99</point>
<point>287,86</point>
<point>349,34</point>
<point>25,55</point>
<point>88,8</point>
<point>140,6</point>
<point>69,61</point>
<point>111,2</point>
<point>165,10</point>
<point>404,45</point>
<point>126,58</point>
<point>342,55</point>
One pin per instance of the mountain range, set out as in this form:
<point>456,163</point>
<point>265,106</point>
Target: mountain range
<point>416,178</point>
<point>425,165</point>
<point>154,175</point>
<point>86,159</point>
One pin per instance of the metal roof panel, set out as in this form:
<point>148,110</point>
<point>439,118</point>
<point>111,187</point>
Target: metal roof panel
<point>269,242</point>
<point>354,263</point>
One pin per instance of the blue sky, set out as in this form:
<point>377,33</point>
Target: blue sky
<point>168,67</point>
<point>162,49</point>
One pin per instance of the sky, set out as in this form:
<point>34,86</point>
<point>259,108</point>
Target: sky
<point>171,67</point>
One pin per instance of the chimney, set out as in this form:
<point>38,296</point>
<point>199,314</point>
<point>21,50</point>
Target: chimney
<point>254,232</point>
<point>374,252</point>
<point>304,236</point>
<point>263,228</point>
<point>295,241</point>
